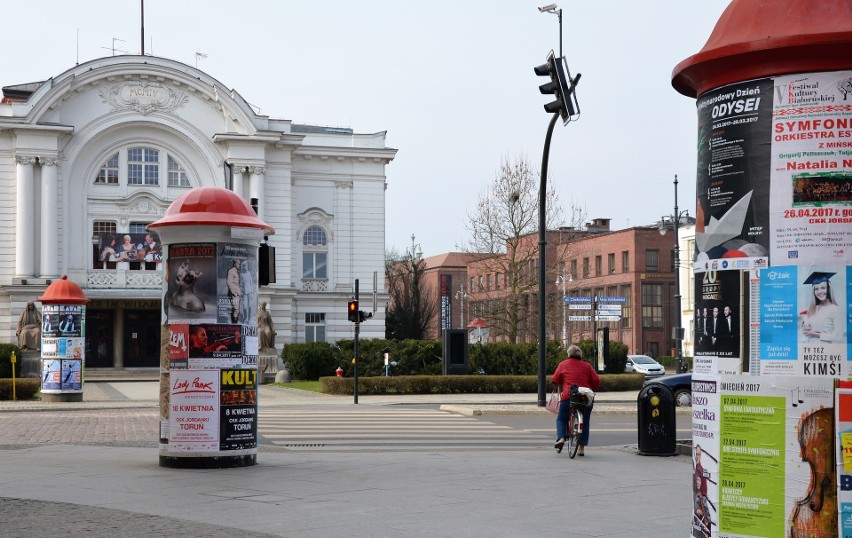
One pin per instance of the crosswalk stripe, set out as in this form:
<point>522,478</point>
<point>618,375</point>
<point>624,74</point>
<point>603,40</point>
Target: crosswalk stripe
<point>389,429</point>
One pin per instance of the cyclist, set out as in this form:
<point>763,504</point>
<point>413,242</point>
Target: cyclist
<point>573,371</point>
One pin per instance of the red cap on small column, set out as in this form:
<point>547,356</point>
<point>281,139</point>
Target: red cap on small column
<point>63,291</point>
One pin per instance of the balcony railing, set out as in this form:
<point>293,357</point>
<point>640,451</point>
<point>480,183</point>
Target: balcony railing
<point>119,279</point>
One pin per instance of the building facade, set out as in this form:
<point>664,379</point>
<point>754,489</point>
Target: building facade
<point>95,154</point>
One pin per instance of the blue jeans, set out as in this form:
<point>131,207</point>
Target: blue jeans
<point>562,422</point>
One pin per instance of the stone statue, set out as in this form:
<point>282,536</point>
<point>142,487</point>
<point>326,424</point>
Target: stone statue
<point>29,328</point>
<point>265,331</point>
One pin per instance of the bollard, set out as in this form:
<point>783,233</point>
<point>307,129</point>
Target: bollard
<point>339,372</point>
<point>657,426</point>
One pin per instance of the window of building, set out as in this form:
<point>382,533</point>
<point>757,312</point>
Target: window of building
<point>627,306</point>
<point>625,261</point>
<point>481,286</point>
<point>652,305</point>
<point>610,262</point>
<point>108,174</point>
<point>585,267</point>
<point>177,175</point>
<point>488,281</point>
<point>143,166</point>
<point>496,281</point>
<point>472,286</point>
<point>573,269</point>
<point>314,254</point>
<point>598,266</point>
<point>314,327</point>
<point>652,261</point>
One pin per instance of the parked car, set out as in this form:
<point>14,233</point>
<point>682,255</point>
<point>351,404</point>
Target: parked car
<point>680,385</point>
<point>644,364</point>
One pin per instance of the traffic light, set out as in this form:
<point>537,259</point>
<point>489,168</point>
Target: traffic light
<point>561,85</point>
<point>353,312</point>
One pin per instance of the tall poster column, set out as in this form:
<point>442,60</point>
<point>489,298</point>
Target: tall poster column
<point>772,268</point>
<point>63,341</point>
<point>209,343</point>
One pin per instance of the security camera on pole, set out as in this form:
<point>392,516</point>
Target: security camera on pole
<point>565,105</point>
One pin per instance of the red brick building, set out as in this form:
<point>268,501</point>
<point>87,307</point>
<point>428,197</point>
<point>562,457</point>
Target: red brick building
<point>636,263</point>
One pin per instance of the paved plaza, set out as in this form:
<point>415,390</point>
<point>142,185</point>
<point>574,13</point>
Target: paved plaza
<point>91,468</point>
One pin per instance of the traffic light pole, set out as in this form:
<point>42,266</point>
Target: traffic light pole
<point>357,332</point>
<point>542,246</point>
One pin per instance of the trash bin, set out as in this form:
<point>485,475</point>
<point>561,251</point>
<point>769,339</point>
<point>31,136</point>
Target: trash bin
<point>656,421</point>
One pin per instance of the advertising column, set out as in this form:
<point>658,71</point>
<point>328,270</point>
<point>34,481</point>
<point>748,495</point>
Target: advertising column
<point>208,379</point>
<point>63,341</point>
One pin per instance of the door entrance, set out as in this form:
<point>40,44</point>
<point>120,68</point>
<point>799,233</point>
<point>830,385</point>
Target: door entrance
<point>100,326</point>
<point>141,338</point>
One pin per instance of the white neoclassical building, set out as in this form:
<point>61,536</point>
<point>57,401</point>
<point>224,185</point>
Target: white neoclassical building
<point>101,150</point>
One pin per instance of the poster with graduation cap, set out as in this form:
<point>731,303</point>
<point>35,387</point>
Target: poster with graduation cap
<point>805,319</point>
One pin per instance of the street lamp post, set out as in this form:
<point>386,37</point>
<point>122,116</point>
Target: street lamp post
<point>678,310</point>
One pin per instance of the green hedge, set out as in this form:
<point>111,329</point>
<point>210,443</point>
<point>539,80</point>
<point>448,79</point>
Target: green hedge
<point>669,362</point>
<point>25,388</point>
<point>463,384</point>
<point>5,362</point>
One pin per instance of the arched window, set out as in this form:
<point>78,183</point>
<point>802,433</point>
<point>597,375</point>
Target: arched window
<point>314,254</point>
<point>142,166</point>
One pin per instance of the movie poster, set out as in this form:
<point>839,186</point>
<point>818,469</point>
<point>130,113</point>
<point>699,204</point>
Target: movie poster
<point>238,411</point>
<point>732,183</point>
<point>811,169</point>
<point>191,276</point>
<point>804,320</point>
<point>236,287</point>
<point>758,446</point>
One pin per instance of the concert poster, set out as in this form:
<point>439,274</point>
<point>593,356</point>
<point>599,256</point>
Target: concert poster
<point>191,289</point>
<point>238,409</point>
<point>236,283</point>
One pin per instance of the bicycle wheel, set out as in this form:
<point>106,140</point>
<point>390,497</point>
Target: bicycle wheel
<point>574,429</point>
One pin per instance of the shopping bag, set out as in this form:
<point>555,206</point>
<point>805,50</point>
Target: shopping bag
<point>553,402</point>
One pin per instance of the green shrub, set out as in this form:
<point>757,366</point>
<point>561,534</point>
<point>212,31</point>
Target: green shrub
<point>463,384</point>
<point>5,360</point>
<point>311,361</point>
<point>512,359</point>
<point>25,388</point>
<point>617,360</point>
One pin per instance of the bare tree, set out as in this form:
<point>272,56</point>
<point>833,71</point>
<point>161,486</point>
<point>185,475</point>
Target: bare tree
<point>412,305</point>
<point>504,229</point>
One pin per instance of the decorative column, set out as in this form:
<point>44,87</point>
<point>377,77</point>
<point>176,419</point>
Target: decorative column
<point>256,183</point>
<point>237,188</point>
<point>49,212</point>
<point>24,225</point>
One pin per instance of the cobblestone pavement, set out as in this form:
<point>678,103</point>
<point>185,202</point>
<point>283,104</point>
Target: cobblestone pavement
<point>101,426</point>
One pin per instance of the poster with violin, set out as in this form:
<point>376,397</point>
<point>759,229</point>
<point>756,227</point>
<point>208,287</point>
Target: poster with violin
<point>765,464</point>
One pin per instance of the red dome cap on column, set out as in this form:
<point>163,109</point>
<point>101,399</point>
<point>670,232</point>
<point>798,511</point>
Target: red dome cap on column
<point>63,291</point>
<point>211,206</point>
<point>761,38</point>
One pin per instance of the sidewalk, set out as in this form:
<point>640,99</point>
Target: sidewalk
<point>108,489</point>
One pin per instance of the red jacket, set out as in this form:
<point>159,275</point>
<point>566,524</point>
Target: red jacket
<point>573,371</point>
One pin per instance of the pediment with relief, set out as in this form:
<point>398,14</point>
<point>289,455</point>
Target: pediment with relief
<point>144,97</point>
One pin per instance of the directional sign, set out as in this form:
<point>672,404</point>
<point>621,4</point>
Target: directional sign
<point>579,318</point>
<point>600,317</point>
<point>580,306</point>
<point>611,299</point>
<point>610,307</point>
<point>578,300</point>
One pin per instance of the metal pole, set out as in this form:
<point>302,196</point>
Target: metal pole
<point>560,31</point>
<point>357,332</point>
<point>542,245</point>
<point>564,317</point>
<point>677,305</point>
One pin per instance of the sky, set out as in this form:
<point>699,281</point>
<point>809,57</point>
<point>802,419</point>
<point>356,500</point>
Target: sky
<point>451,82</point>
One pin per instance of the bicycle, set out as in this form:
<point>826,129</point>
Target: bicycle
<point>578,401</point>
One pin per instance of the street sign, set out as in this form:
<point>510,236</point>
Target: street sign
<point>580,306</point>
<point>610,307</point>
<point>579,318</point>
<point>600,317</point>
<point>578,300</point>
<point>611,299</point>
